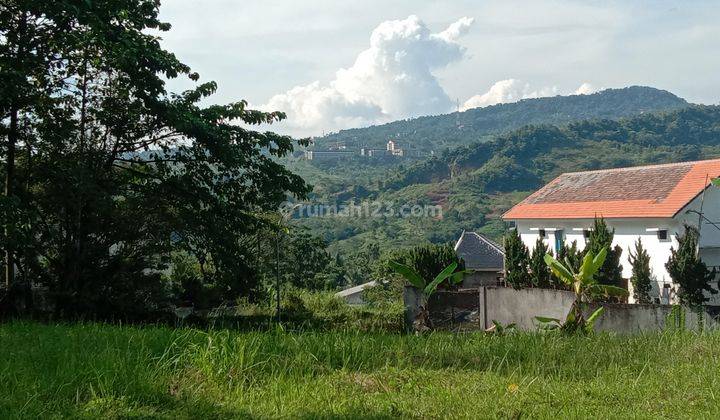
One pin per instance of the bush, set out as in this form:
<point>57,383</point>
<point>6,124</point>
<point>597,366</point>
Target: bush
<point>517,259</point>
<point>641,279</point>
<point>688,271</point>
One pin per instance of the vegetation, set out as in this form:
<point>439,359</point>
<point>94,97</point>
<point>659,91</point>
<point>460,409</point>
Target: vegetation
<point>601,237</point>
<point>427,287</point>
<point>101,371</point>
<point>688,271</point>
<point>475,184</point>
<point>113,181</point>
<point>517,259</point>
<point>641,278</point>
<point>586,288</point>
<point>572,257</point>
<point>540,274</point>
<point>455,129</point>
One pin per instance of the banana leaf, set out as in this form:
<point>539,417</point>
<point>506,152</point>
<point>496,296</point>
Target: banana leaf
<point>447,272</point>
<point>559,270</point>
<point>410,275</point>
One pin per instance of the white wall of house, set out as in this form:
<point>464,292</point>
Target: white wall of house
<point>627,231</point>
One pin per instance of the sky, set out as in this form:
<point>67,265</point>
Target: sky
<point>331,65</point>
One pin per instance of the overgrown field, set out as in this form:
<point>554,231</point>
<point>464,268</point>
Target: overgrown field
<point>95,370</point>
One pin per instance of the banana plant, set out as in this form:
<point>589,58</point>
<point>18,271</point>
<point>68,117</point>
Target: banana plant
<point>586,288</point>
<point>427,289</point>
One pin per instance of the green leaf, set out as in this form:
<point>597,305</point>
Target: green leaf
<point>546,320</point>
<point>447,272</point>
<point>457,277</point>
<point>715,182</point>
<point>592,318</point>
<point>599,260</point>
<point>559,270</point>
<point>410,275</point>
<point>588,267</point>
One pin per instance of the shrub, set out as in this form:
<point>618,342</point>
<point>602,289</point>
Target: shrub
<point>539,272</point>
<point>426,260</point>
<point>602,237</point>
<point>517,259</point>
<point>641,279</point>
<point>688,271</point>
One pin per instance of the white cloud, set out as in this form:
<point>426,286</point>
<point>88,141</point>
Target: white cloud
<point>390,80</point>
<point>513,90</point>
<point>586,89</point>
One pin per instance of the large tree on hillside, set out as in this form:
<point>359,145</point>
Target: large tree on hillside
<point>117,172</point>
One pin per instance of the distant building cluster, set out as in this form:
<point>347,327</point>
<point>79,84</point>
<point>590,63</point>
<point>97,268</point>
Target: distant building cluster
<point>339,151</point>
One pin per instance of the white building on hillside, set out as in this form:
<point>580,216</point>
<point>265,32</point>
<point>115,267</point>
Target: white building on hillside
<point>649,202</point>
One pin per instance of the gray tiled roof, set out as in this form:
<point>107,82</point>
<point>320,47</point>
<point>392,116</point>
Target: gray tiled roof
<point>479,252</point>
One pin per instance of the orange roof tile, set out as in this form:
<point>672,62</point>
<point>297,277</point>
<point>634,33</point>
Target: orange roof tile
<point>642,191</point>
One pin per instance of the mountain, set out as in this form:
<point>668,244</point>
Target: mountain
<point>476,183</point>
<point>434,133</point>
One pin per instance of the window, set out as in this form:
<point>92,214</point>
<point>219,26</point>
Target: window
<point>586,234</point>
<point>662,234</point>
<point>511,224</point>
<point>541,232</point>
<point>559,239</point>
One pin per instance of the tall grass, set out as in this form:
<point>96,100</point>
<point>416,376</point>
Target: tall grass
<point>95,370</point>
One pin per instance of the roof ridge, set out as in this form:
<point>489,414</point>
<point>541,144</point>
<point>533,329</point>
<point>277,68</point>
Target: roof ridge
<point>631,168</point>
<point>488,241</point>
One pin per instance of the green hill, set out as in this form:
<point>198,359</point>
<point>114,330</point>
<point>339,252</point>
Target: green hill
<point>475,184</point>
<point>441,131</point>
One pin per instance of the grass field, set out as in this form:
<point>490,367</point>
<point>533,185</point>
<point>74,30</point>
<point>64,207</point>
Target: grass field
<point>94,370</point>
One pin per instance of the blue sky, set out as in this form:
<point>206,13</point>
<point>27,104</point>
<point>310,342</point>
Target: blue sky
<point>340,64</point>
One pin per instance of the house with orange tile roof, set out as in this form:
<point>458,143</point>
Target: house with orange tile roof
<point>649,202</point>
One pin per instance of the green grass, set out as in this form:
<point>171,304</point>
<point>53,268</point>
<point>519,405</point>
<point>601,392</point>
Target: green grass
<point>95,370</point>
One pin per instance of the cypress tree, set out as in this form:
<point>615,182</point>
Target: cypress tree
<point>601,237</point>
<point>517,259</point>
<point>688,271</point>
<point>539,271</point>
<point>641,275</point>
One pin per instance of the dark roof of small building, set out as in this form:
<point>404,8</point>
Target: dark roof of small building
<point>479,252</point>
<point>641,191</point>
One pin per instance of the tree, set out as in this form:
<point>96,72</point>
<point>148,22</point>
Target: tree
<point>586,288</point>
<point>571,257</point>
<point>601,238</point>
<point>427,288</point>
<point>540,273</point>
<point>116,172</point>
<point>517,259</point>
<point>641,279</point>
<point>426,260</point>
<point>688,271</point>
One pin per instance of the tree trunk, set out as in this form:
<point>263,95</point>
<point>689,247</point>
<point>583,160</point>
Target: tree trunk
<point>10,191</point>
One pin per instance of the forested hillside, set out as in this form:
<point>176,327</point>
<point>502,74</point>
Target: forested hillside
<point>440,131</point>
<point>475,184</point>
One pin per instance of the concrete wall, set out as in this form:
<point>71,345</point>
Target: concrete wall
<point>476,309</point>
<point>507,305</point>
<point>481,278</point>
